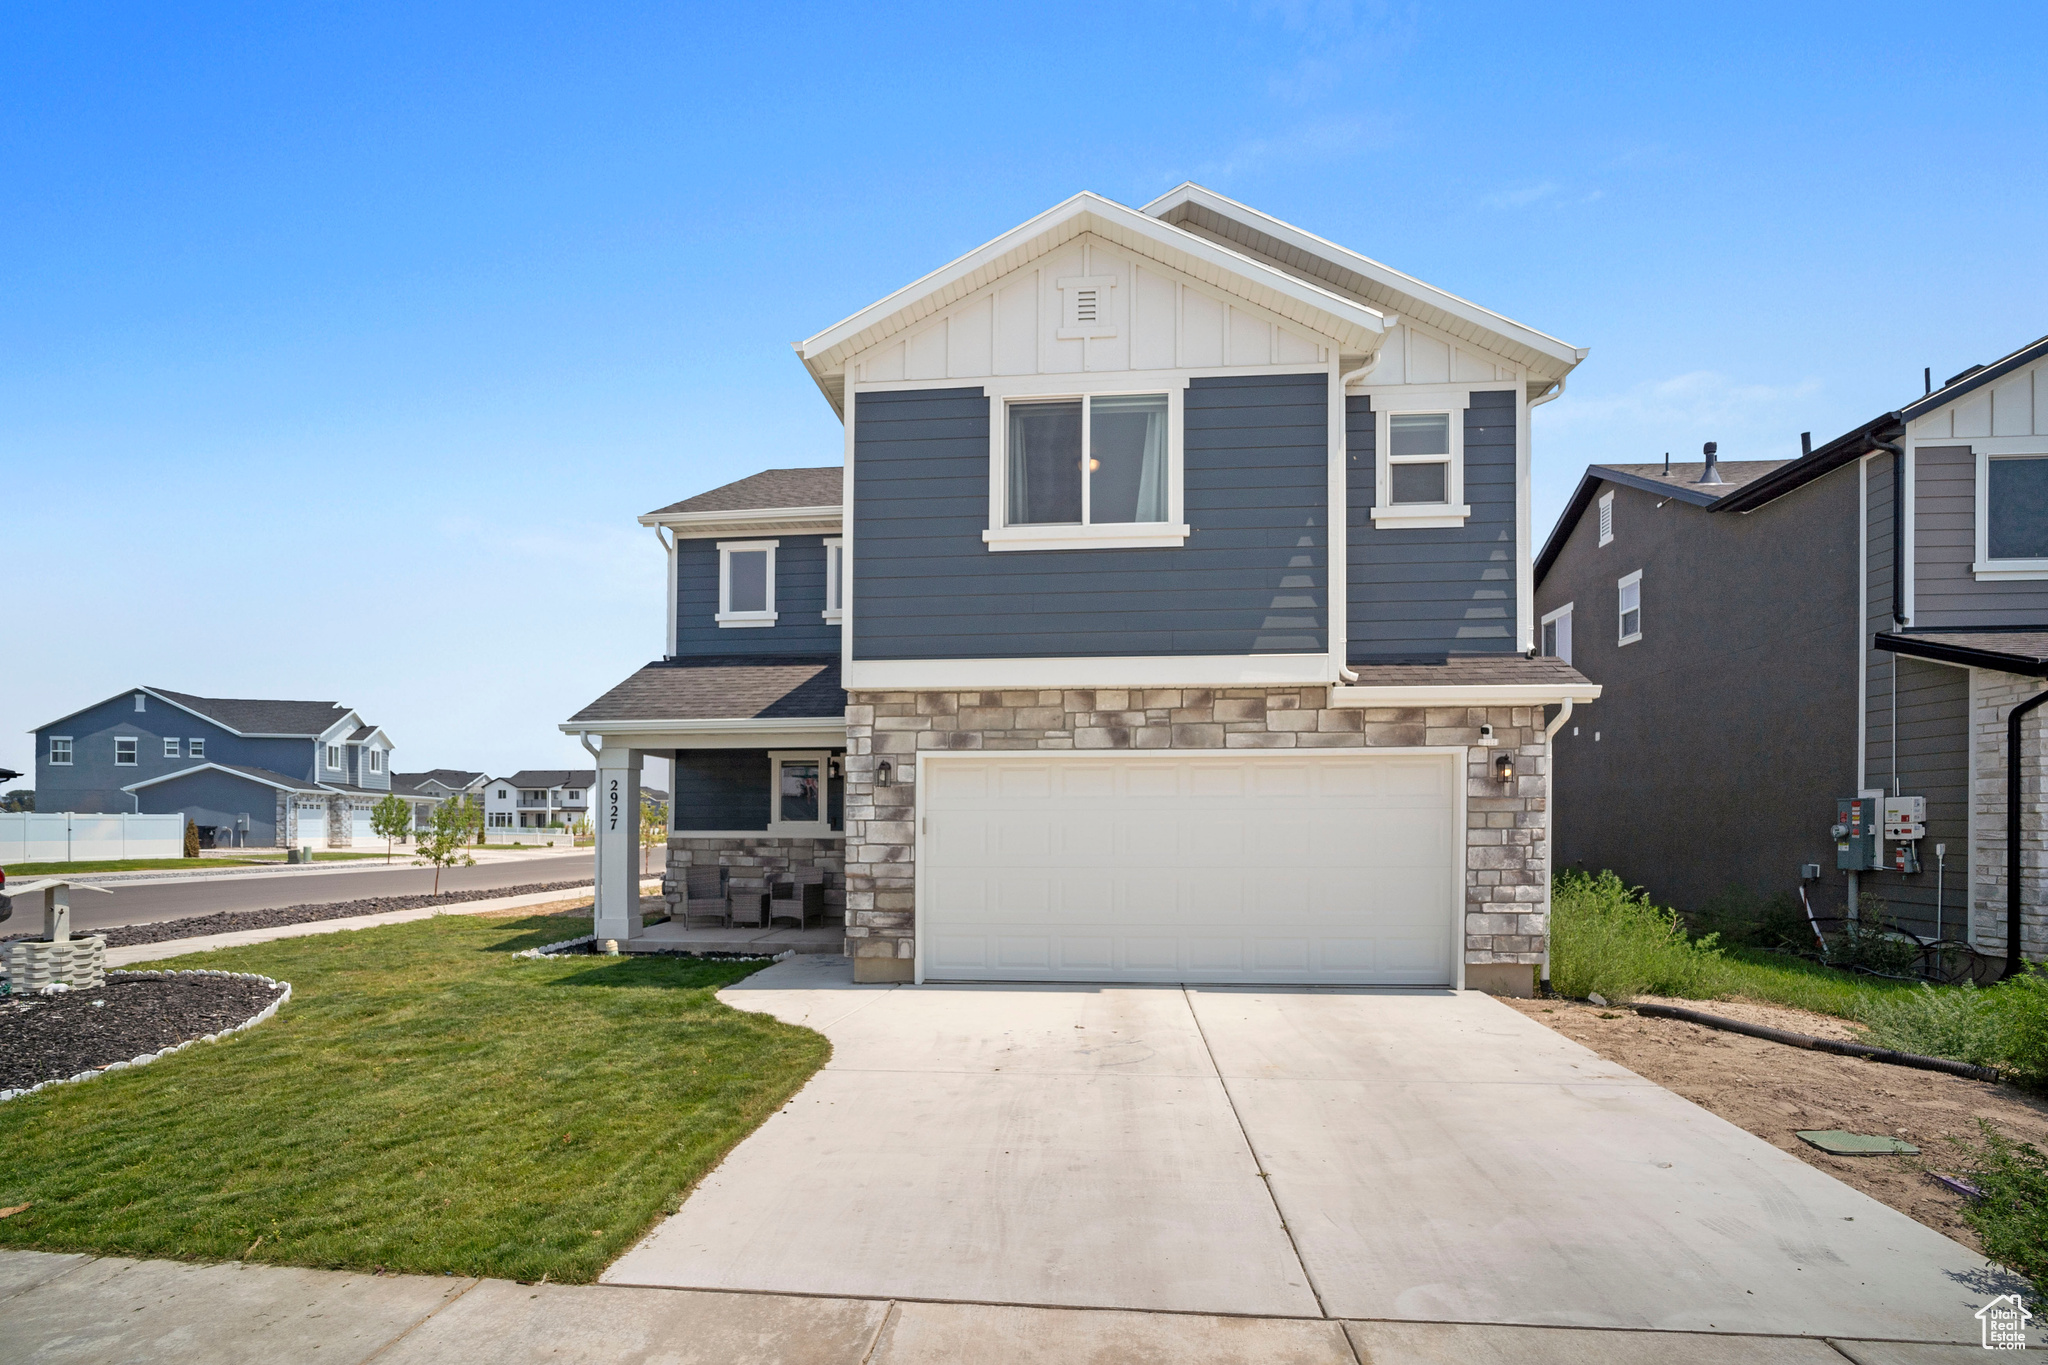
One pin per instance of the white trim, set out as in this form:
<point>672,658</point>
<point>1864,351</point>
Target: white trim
<point>1100,536</point>
<point>1463,694</point>
<point>195,746</point>
<point>1985,569</point>
<point>1337,547</point>
<point>675,833</point>
<point>1564,614</point>
<point>835,555</point>
<point>1072,326</point>
<point>1390,401</point>
<point>172,748</point>
<point>70,758</point>
<point>1904,609</point>
<point>1087,534</point>
<point>1628,580</point>
<point>1456,754</point>
<point>1606,518</point>
<point>308,792</point>
<point>1058,385</point>
<point>1166,670</point>
<point>134,752</point>
<point>697,523</point>
<point>725,616</point>
<point>1525,562</point>
<point>674,622</point>
<point>798,829</point>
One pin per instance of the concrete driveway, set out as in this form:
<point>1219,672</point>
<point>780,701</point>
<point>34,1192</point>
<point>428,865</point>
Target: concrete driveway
<point>1424,1156</point>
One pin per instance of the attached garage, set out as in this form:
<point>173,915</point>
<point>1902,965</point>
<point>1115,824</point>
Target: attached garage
<point>312,825</point>
<point>361,834</point>
<point>1310,867</point>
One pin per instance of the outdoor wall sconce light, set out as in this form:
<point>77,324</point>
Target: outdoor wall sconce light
<point>1504,769</point>
<point>885,774</point>
<point>835,766</point>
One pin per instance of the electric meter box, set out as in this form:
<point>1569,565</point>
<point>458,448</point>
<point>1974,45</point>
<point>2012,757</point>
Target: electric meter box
<point>1905,818</point>
<point>1856,822</point>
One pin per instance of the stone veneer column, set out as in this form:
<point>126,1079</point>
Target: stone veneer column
<point>1507,894</point>
<point>1992,697</point>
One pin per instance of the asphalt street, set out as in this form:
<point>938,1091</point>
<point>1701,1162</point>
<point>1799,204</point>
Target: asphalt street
<point>145,902</point>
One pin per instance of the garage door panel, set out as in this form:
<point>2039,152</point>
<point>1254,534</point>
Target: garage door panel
<point>1086,781</point>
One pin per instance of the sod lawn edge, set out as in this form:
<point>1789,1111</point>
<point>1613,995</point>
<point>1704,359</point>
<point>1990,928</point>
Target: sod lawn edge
<point>426,1103</point>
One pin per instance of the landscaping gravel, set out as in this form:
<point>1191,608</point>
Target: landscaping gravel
<point>231,921</point>
<point>49,1037</point>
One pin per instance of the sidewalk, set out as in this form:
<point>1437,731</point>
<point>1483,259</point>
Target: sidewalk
<point>70,1310</point>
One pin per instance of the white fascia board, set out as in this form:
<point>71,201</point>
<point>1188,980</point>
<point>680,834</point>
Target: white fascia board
<point>736,733</point>
<point>1353,314</point>
<point>745,519</point>
<point>1464,694</point>
<point>328,736</point>
<point>1173,670</point>
<point>1190,193</point>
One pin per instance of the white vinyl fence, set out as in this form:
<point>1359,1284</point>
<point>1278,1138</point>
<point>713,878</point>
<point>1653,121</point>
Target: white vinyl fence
<point>63,837</point>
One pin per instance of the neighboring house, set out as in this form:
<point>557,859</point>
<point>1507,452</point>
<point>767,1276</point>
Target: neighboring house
<point>246,772</point>
<point>429,789</point>
<point>538,798</point>
<point>1069,678</point>
<point>1861,620</point>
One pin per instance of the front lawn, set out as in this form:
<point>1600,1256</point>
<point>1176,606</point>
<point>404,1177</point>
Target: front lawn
<point>425,1103</point>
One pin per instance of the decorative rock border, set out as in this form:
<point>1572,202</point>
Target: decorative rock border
<point>556,949</point>
<point>147,1058</point>
<point>550,949</point>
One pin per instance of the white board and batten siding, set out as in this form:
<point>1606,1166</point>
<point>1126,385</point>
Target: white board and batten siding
<point>1210,867</point>
<point>60,836</point>
<point>2016,405</point>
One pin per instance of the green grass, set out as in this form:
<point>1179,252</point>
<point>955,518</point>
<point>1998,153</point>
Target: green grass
<point>160,864</point>
<point>425,1103</point>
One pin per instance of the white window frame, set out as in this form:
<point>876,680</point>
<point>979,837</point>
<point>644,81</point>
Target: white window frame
<point>1987,569</point>
<point>1607,517</point>
<point>727,617</point>
<point>1621,585</point>
<point>1122,535</point>
<point>1453,511</point>
<point>171,747</point>
<point>802,829</point>
<point>333,757</point>
<point>1562,617</point>
<point>134,751</point>
<point>835,578</point>
<point>65,761</point>
<point>376,756</point>
<point>195,748</point>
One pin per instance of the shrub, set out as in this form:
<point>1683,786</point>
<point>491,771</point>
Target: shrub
<point>1607,938</point>
<point>2012,1217</point>
<point>191,840</point>
<point>2003,1026</point>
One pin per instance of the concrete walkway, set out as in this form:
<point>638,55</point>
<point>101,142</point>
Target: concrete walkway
<point>1317,1154</point>
<point>79,1310</point>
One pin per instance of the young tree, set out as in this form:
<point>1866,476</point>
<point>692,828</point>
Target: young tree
<point>653,829</point>
<point>452,826</point>
<point>392,818</point>
<point>191,840</point>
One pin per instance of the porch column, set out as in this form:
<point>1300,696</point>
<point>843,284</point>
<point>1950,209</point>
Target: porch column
<point>616,815</point>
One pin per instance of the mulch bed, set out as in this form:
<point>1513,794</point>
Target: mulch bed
<point>231,921</point>
<point>50,1037</point>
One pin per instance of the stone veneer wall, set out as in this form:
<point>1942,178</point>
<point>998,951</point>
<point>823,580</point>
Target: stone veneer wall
<point>1992,697</point>
<point>756,860</point>
<point>1506,879</point>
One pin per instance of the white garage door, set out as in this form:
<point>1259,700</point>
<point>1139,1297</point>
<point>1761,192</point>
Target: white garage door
<point>312,825</point>
<point>360,832</point>
<point>1324,867</point>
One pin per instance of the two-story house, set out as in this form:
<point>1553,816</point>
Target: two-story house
<point>1868,621</point>
<point>246,772</point>
<point>538,798</point>
<point>1169,620</point>
<point>429,789</point>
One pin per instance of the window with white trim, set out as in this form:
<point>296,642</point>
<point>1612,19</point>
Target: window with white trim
<point>124,751</point>
<point>1557,634</point>
<point>170,748</point>
<point>334,758</point>
<point>1089,470</point>
<point>195,748</point>
<point>835,579</point>
<point>1607,518</point>
<point>746,583</point>
<point>60,750</point>
<point>376,760</point>
<point>2012,516</point>
<point>1629,599</point>
<point>1419,477</point>
<point>799,797</point>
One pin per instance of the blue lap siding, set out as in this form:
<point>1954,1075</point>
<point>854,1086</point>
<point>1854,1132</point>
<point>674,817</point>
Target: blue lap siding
<point>1252,577</point>
<point>1423,593</point>
<point>800,626</point>
<point>727,790</point>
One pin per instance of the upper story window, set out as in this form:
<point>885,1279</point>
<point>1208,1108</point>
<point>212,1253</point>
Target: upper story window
<point>1630,600</point>
<point>1419,479</point>
<point>746,582</point>
<point>501,794</point>
<point>170,748</point>
<point>1078,471</point>
<point>376,760</point>
<point>124,752</point>
<point>1557,634</point>
<point>334,757</point>
<point>1607,518</point>
<point>195,748</point>
<point>835,579</point>
<point>2012,516</point>
<point>572,795</point>
<point>60,750</point>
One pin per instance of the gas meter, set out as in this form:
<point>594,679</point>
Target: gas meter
<point>1855,831</point>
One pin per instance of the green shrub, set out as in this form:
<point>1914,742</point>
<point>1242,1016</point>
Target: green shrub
<point>2012,1217</point>
<point>191,840</point>
<point>1608,939</point>
<point>2003,1026</point>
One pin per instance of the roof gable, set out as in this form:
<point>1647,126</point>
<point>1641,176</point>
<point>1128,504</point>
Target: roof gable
<point>771,489</point>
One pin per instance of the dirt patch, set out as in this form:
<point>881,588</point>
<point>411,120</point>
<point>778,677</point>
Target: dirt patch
<point>568,907</point>
<point>1773,1090</point>
<point>49,1037</point>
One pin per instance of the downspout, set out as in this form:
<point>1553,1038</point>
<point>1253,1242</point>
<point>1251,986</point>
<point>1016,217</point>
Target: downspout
<point>1344,382</point>
<point>668,545</point>
<point>1898,455</point>
<point>1564,713</point>
<point>2014,964</point>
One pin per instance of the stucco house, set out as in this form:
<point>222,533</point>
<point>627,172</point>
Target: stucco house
<point>1169,619</point>
<point>1776,637</point>
<point>246,772</point>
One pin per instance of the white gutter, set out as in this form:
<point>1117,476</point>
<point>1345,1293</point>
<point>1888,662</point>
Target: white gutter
<point>1557,392</point>
<point>772,725</point>
<point>1344,383</point>
<point>1465,694</point>
<point>668,545</point>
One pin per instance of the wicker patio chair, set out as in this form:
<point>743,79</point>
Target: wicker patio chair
<point>798,895</point>
<point>707,895</point>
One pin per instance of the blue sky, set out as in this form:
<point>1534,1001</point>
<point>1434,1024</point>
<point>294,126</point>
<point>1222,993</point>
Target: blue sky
<point>339,345</point>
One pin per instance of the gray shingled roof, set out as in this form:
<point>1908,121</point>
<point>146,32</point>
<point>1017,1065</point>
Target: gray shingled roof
<point>769,488</point>
<point>1470,670</point>
<point>728,688</point>
<point>251,717</point>
<point>552,777</point>
<point>1686,474</point>
<point>447,777</point>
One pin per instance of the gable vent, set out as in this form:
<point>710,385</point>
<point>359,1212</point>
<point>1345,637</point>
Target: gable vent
<point>1086,307</point>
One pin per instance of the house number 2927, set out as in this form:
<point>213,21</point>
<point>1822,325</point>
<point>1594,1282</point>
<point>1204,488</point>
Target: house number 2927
<point>615,803</point>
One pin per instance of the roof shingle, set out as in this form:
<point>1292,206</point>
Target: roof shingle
<point>725,688</point>
<point>770,488</point>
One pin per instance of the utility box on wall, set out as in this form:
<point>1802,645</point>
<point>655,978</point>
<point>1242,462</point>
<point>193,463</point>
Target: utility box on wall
<point>1855,831</point>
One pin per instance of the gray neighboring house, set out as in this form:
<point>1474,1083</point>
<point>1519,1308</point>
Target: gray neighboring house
<point>429,789</point>
<point>247,772</point>
<point>1860,620</point>
<point>1169,620</point>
